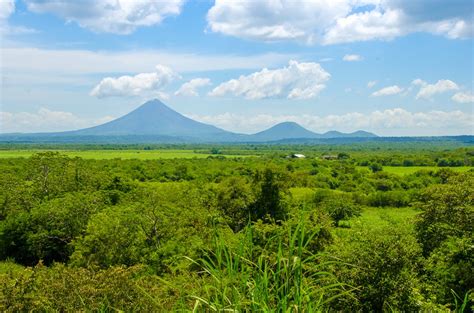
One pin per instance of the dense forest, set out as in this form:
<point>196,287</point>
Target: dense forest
<point>248,228</point>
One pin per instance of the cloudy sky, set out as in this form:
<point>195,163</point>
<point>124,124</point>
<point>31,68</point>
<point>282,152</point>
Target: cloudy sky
<point>394,67</point>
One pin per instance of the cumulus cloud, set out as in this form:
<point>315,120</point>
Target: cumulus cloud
<point>189,89</point>
<point>45,120</point>
<point>134,85</point>
<point>387,91</point>
<point>296,81</point>
<point>274,20</point>
<point>427,91</point>
<point>111,16</point>
<point>396,122</point>
<point>352,58</point>
<point>339,21</point>
<point>463,97</point>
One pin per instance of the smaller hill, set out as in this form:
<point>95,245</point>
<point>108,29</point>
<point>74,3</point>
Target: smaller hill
<point>285,130</point>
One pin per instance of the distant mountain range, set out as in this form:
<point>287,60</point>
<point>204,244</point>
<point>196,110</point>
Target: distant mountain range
<point>155,122</point>
<point>292,130</point>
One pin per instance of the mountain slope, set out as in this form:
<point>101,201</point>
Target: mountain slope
<point>285,130</point>
<point>154,119</point>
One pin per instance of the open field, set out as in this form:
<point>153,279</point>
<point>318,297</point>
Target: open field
<point>379,218</point>
<point>122,154</point>
<point>406,170</point>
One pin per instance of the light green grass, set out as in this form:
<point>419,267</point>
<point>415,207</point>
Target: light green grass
<point>302,193</point>
<point>123,154</point>
<point>379,218</point>
<point>383,217</point>
<point>406,170</point>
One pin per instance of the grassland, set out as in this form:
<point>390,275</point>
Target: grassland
<point>122,154</point>
<point>406,170</point>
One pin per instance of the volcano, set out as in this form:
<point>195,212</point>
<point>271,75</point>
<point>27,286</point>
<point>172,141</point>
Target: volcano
<point>154,118</point>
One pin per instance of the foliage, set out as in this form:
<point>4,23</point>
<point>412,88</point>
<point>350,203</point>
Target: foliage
<point>46,232</point>
<point>268,203</point>
<point>61,288</point>
<point>447,210</point>
<point>340,208</point>
<point>174,228</point>
<point>382,265</point>
<point>288,278</point>
<point>451,268</point>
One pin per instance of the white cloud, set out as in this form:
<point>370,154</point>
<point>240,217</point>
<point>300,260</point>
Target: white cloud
<point>7,7</point>
<point>363,26</point>
<point>296,81</point>
<point>275,20</point>
<point>419,82</point>
<point>111,16</point>
<point>338,21</point>
<point>390,122</point>
<point>65,61</point>
<point>188,89</point>
<point>352,58</point>
<point>45,120</point>
<point>429,90</point>
<point>134,85</point>
<point>463,97</point>
<point>387,91</point>
<point>371,84</point>
<point>326,60</point>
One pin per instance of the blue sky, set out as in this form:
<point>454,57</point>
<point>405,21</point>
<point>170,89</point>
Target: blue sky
<point>393,67</point>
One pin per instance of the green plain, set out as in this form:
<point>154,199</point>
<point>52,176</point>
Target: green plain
<point>406,170</point>
<point>122,154</point>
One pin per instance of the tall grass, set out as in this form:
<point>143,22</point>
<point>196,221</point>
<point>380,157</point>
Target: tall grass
<point>252,278</point>
<point>461,305</point>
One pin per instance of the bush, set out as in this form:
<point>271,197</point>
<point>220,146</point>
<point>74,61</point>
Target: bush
<point>340,208</point>
<point>382,265</point>
<point>447,210</point>
<point>47,231</point>
<point>451,268</point>
<point>64,289</point>
<point>235,198</point>
<point>396,199</point>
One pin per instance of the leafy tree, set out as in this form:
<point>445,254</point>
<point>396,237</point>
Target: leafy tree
<point>382,265</point>
<point>215,150</point>
<point>447,210</point>
<point>268,202</point>
<point>343,156</point>
<point>450,268</point>
<point>113,237</point>
<point>375,167</point>
<point>52,174</point>
<point>46,232</point>
<point>340,208</point>
<point>235,198</point>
